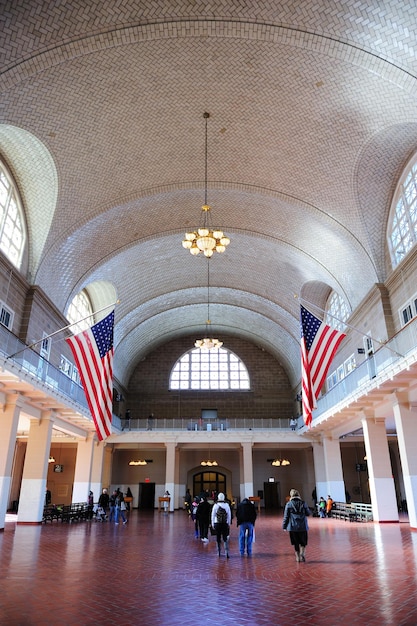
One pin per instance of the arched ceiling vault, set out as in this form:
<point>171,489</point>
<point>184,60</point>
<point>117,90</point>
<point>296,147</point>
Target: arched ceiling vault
<point>312,118</point>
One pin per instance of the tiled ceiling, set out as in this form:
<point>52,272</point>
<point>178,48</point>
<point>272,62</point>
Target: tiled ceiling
<point>312,118</point>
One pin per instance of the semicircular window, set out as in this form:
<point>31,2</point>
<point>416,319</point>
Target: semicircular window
<point>80,313</point>
<point>402,229</point>
<point>209,369</point>
<point>337,311</point>
<point>12,228</point>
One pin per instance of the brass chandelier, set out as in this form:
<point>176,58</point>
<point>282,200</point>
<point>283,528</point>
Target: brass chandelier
<point>208,343</point>
<point>206,239</point>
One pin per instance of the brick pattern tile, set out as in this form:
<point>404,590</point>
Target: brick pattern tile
<point>153,571</point>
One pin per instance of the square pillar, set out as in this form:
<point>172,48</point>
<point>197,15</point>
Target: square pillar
<point>97,469</point>
<point>322,488</point>
<point>334,470</point>
<point>170,472</point>
<point>83,465</point>
<point>406,425</point>
<point>381,481</point>
<point>247,470</point>
<point>8,429</point>
<point>35,470</point>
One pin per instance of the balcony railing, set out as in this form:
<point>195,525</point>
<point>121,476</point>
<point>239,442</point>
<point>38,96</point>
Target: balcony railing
<point>202,425</point>
<point>33,364</point>
<point>394,356</point>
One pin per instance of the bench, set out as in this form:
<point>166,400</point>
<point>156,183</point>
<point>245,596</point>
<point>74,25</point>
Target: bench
<point>52,512</point>
<point>74,512</point>
<point>363,512</point>
<point>343,511</point>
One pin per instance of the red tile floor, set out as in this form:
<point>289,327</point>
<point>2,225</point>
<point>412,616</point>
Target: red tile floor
<point>152,571</point>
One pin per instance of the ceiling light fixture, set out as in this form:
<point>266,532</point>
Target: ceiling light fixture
<point>208,343</point>
<point>138,462</point>
<point>206,239</point>
<point>278,462</point>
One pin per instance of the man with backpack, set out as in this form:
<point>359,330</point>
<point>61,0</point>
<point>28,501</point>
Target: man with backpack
<point>221,518</point>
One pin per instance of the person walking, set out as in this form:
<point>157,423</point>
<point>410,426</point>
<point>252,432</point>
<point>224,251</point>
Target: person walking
<point>245,520</point>
<point>112,506</point>
<point>120,508</point>
<point>203,518</point>
<point>295,521</point>
<point>221,517</point>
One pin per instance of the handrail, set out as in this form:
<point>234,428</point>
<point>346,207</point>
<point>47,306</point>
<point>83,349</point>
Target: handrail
<point>399,352</point>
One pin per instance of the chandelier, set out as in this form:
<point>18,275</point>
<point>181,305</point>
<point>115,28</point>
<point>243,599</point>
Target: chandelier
<point>280,462</point>
<point>209,462</point>
<point>208,343</point>
<point>206,239</point>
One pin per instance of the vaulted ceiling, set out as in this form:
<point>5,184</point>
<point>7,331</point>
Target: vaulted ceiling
<point>312,119</point>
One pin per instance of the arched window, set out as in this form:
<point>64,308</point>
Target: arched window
<point>12,230</point>
<point>402,230</point>
<point>80,313</point>
<point>209,369</point>
<point>337,311</point>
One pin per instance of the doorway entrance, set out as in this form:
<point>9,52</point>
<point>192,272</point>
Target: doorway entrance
<point>272,496</point>
<point>146,496</point>
<point>209,481</point>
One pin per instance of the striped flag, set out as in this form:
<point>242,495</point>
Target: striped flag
<point>93,353</point>
<point>319,343</point>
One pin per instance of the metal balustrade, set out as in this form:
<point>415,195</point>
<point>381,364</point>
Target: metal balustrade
<point>390,359</point>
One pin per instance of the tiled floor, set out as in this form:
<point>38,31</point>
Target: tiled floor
<point>152,571</point>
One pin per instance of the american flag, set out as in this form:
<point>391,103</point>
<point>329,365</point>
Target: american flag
<point>93,353</point>
<point>319,343</point>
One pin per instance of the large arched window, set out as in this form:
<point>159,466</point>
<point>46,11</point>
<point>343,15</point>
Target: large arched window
<point>337,311</point>
<point>209,369</point>
<point>80,313</point>
<point>12,230</point>
<point>402,230</point>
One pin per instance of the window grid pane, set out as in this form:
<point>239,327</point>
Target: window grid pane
<point>215,369</point>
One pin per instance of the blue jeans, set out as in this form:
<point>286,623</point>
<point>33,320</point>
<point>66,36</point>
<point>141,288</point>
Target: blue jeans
<point>245,537</point>
<point>119,512</point>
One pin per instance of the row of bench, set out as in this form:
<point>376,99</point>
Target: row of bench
<point>353,512</point>
<point>75,512</point>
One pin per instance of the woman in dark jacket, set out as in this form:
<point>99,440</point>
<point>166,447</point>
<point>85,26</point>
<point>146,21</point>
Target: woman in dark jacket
<point>295,521</point>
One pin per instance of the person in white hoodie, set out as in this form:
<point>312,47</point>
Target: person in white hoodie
<point>221,518</point>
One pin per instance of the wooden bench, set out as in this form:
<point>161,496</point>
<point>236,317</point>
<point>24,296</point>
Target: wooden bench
<point>343,511</point>
<point>363,512</point>
<point>74,512</point>
<point>52,512</point>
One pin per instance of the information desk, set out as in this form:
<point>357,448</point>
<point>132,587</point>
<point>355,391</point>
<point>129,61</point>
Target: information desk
<point>162,500</point>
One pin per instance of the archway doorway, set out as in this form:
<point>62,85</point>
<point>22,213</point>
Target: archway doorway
<point>209,481</point>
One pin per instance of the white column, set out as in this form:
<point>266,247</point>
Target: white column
<point>334,470</point>
<point>247,470</point>
<point>97,469</point>
<point>322,488</point>
<point>83,465</point>
<point>35,470</point>
<point>381,481</point>
<point>8,428</point>
<point>170,472</point>
<point>406,425</point>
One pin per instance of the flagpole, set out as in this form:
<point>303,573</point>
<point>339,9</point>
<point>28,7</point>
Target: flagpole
<point>381,343</point>
<point>35,343</point>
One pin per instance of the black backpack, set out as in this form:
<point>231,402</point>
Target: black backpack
<point>221,515</point>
